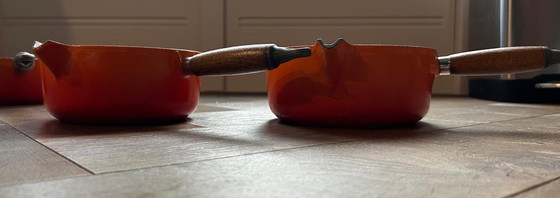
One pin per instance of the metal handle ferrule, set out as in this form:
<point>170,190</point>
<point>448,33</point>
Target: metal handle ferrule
<point>444,65</point>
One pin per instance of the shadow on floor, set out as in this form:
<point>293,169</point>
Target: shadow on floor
<point>52,129</point>
<point>55,128</point>
<point>276,127</point>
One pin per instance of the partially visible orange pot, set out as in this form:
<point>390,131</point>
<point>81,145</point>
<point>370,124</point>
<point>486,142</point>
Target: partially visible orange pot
<point>379,85</point>
<point>20,86</point>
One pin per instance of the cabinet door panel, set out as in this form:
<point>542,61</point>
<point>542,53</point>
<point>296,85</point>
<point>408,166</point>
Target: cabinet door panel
<point>173,23</point>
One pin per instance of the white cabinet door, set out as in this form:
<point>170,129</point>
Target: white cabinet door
<point>294,22</point>
<point>187,24</point>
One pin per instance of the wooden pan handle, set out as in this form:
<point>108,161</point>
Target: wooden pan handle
<point>499,61</point>
<point>241,59</point>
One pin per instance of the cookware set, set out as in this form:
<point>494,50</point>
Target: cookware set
<point>337,84</point>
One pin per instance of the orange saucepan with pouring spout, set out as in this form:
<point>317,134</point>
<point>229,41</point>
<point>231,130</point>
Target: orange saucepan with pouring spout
<point>381,85</point>
<point>131,85</point>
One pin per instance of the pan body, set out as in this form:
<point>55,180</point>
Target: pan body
<point>120,85</point>
<point>19,88</point>
<point>355,86</point>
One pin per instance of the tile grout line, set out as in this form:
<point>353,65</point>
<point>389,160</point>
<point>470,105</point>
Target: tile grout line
<point>166,165</point>
<point>494,122</point>
<point>227,157</point>
<point>535,116</point>
<point>50,149</point>
<point>530,188</point>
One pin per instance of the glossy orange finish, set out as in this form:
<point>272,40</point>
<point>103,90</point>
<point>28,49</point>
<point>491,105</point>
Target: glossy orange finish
<point>117,84</point>
<point>354,85</point>
<point>17,87</point>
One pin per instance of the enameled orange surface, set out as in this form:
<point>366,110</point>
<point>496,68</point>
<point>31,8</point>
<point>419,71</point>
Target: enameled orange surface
<point>117,84</point>
<point>19,87</point>
<point>354,85</point>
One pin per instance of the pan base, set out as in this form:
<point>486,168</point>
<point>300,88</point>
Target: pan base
<point>136,122</point>
<point>409,124</point>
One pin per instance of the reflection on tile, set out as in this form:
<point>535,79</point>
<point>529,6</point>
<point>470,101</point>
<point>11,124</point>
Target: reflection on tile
<point>211,108</point>
<point>208,135</point>
<point>460,162</point>
<point>233,142</point>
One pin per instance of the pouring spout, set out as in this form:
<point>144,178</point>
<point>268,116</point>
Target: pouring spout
<point>37,44</point>
<point>56,56</point>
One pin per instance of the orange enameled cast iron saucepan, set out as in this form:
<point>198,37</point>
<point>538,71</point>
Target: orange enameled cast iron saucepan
<point>376,85</point>
<point>20,80</point>
<point>128,85</point>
